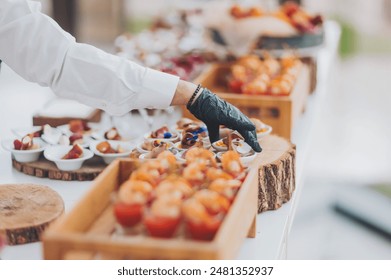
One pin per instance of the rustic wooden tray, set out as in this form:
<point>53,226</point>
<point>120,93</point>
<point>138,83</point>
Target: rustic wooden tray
<point>88,231</point>
<point>278,111</point>
<point>43,168</point>
<point>26,210</point>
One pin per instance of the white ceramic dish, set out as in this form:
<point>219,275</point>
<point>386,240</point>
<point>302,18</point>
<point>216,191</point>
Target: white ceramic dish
<point>219,148</point>
<point>178,146</point>
<point>245,160</point>
<point>267,132</point>
<point>109,158</point>
<point>140,149</point>
<point>175,134</point>
<point>24,155</point>
<point>143,151</point>
<point>179,157</point>
<point>55,154</point>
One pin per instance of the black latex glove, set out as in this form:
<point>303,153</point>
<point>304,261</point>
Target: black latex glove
<point>214,111</point>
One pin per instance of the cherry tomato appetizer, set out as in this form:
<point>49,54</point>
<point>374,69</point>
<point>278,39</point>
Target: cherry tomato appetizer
<point>164,227</point>
<point>128,215</point>
<point>203,230</point>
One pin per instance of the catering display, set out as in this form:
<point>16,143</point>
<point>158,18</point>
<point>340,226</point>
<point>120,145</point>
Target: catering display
<point>91,151</point>
<point>162,209</point>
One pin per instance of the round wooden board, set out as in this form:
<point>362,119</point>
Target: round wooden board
<point>26,210</point>
<point>47,169</point>
<point>277,172</point>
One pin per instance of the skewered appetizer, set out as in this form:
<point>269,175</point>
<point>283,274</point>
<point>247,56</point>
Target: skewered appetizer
<point>26,143</point>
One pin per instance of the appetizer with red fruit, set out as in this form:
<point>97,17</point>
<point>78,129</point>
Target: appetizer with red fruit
<point>75,153</point>
<point>133,195</point>
<point>163,218</point>
<point>204,213</point>
<point>26,143</point>
<point>163,198</point>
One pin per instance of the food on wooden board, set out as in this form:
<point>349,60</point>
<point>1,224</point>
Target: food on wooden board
<point>74,153</point>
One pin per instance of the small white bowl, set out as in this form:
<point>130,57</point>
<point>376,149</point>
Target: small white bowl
<point>55,154</point>
<point>109,158</point>
<point>245,160</point>
<point>140,149</point>
<point>179,157</point>
<point>147,136</point>
<point>178,146</point>
<point>267,132</point>
<point>143,151</point>
<point>219,148</point>
<point>24,155</point>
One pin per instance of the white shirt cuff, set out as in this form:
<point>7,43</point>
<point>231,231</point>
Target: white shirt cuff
<point>157,90</point>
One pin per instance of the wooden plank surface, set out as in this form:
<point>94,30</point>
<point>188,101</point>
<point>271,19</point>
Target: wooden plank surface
<point>26,210</point>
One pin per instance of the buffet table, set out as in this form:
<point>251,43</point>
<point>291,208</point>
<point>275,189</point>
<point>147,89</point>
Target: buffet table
<point>273,227</point>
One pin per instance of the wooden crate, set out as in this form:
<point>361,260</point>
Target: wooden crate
<point>87,231</point>
<point>278,111</point>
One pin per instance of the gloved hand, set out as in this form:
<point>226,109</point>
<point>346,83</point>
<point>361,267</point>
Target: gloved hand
<point>214,111</point>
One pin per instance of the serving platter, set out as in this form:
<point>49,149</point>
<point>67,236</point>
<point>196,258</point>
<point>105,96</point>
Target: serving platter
<point>43,168</point>
<point>89,230</point>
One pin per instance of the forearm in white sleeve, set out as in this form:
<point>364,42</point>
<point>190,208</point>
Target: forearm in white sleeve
<point>35,47</point>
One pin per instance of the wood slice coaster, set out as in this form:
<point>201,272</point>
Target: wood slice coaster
<point>26,210</point>
<point>277,169</point>
<point>47,169</point>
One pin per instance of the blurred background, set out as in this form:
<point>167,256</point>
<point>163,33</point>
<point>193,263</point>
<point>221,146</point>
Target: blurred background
<point>351,140</point>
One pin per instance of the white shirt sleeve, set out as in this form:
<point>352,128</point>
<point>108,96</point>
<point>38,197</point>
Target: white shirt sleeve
<point>35,47</point>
